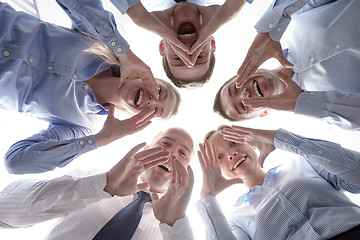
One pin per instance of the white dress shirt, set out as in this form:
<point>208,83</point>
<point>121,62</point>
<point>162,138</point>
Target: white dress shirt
<point>83,206</point>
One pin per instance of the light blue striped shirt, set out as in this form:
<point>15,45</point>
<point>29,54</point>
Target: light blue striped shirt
<point>301,201</point>
<point>43,67</point>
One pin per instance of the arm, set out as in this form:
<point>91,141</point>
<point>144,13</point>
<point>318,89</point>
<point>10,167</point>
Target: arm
<point>339,166</point>
<point>338,108</point>
<point>26,202</point>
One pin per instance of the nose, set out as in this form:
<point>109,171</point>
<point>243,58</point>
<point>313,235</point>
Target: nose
<point>151,101</point>
<point>230,157</point>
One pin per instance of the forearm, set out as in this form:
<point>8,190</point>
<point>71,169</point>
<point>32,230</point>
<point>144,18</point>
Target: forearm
<point>27,202</point>
<point>180,230</point>
<point>341,109</point>
<point>333,162</point>
<point>215,222</point>
<point>33,155</point>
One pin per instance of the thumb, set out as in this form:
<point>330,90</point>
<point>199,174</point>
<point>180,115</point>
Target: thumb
<point>283,61</point>
<point>154,197</point>
<point>143,186</point>
<point>122,79</point>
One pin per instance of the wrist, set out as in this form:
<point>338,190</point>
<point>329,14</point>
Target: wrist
<point>108,187</point>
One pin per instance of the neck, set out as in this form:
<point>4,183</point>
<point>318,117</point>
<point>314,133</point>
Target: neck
<point>256,179</point>
<point>104,87</point>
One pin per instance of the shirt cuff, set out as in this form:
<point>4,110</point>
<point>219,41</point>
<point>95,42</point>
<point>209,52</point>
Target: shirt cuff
<point>310,103</point>
<point>85,144</point>
<point>287,141</point>
<point>180,230</point>
<point>249,1</point>
<point>92,187</point>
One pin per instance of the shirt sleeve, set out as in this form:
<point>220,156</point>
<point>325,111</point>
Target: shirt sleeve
<point>89,16</point>
<point>215,222</point>
<point>179,231</point>
<point>278,16</point>
<point>30,155</point>
<point>338,165</point>
<point>27,201</point>
<point>340,109</point>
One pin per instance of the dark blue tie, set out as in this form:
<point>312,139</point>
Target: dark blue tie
<point>125,222</point>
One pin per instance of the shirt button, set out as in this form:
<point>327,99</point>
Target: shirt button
<point>278,29</point>
<point>271,25</point>
<point>312,93</point>
<point>118,49</point>
<point>6,53</point>
<point>30,60</point>
<point>312,59</point>
<point>347,95</point>
<point>81,142</point>
<point>284,146</point>
<point>50,68</point>
<point>90,141</point>
<point>113,43</point>
<point>86,87</point>
<point>320,152</point>
<point>338,46</point>
<point>207,204</point>
<point>286,139</point>
<point>74,76</point>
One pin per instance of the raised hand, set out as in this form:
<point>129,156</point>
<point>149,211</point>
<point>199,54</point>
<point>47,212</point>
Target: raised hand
<point>262,48</point>
<point>172,206</point>
<point>261,139</point>
<point>285,101</point>
<point>114,128</point>
<point>213,180</point>
<point>133,67</point>
<point>122,179</point>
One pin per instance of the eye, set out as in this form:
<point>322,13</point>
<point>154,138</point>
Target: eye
<point>165,144</point>
<point>233,144</point>
<point>201,56</point>
<point>183,154</point>
<point>219,158</point>
<point>176,58</point>
<point>160,90</point>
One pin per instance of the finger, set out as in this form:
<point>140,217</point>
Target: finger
<point>135,149</point>
<point>143,186</point>
<point>145,113</point>
<point>234,139</point>
<point>283,61</point>
<point>183,175</point>
<point>150,83</point>
<point>155,163</point>
<point>198,44</point>
<point>191,177</point>
<point>213,153</point>
<point>154,157</point>
<point>258,103</point>
<point>195,55</point>
<point>179,44</point>
<point>201,160</point>
<point>208,151</point>
<point>122,79</point>
<point>186,58</point>
<point>146,120</point>
<point>154,197</point>
<point>145,153</point>
<point>204,155</point>
<point>261,160</point>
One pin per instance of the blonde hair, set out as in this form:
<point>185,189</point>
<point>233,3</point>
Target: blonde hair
<point>103,52</point>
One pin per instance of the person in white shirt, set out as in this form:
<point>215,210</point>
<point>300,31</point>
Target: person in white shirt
<point>87,204</point>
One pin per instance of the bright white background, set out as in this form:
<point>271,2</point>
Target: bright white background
<point>195,113</point>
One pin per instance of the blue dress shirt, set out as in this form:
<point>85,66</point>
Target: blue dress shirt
<point>323,43</point>
<point>301,201</point>
<point>43,69</point>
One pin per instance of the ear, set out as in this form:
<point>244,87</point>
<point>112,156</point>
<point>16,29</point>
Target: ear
<point>213,44</point>
<point>161,47</point>
<point>264,113</point>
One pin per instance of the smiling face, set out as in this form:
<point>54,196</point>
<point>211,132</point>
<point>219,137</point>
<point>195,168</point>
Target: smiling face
<point>237,160</point>
<point>135,97</point>
<point>186,21</point>
<point>263,83</point>
<point>179,144</point>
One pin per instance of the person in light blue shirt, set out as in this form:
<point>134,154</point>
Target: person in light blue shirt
<point>325,63</point>
<point>301,199</point>
<point>49,72</point>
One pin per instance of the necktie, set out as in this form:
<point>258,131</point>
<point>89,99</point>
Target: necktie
<point>180,1</point>
<point>125,222</point>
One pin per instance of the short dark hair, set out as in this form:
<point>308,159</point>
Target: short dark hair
<point>180,83</point>
<point>177,95</point>
<point>217,104</point>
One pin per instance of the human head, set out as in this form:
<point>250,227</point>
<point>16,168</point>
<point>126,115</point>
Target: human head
<point>236,160</point>
<point>186,21</point>
<point>178,143</point>
<point>135,97</point>
<point>228,101</point>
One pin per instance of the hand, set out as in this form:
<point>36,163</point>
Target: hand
<point>131,66</point>
<point>213,181</point>
<point>261,139</point>
<point>122,179</point>
<point>285,101</point>
<point>114,128</point>
<point>262,48</point>
<point>172,206</point>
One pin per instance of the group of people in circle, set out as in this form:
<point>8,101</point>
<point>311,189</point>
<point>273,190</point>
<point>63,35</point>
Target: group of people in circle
<point>68,77</point>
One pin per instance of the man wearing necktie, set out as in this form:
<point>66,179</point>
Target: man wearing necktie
<point>116,204</point>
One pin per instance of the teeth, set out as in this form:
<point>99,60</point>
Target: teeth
<point>166,166</point>
<point>255,87</point>
<point>187,35</point>
<point>139,100</point>
<point>238,163</point>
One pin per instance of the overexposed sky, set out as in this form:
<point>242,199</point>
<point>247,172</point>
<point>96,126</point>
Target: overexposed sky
<point>195,114</point>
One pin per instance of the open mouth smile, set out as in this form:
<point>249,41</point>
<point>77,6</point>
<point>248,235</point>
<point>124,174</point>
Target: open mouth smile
<point>187,32</point>
<point>257,89</point>
<point>238,163</point>
<point>138,98</point>
<point>165,167</point>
